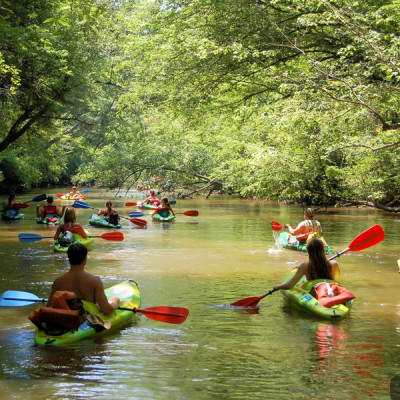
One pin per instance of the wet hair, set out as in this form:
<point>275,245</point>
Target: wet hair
<point>165,200</point>
<point>49,199</point>
<point>309,212</point>
<point>69,216</point>
<point>77,253</point>
<point>319,266</point>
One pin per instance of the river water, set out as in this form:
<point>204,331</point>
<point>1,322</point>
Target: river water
<point>205,263</point>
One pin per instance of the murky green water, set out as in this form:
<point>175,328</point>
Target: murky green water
<point>205,263</point>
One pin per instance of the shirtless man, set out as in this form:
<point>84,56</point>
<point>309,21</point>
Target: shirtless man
<point>309,225</point>
<point>86,286</point>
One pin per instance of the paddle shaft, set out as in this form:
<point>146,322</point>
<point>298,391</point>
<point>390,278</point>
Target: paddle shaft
<point>144,311</point>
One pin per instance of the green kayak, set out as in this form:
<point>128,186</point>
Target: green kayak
<point>289,241</point>
<point>152,206</point>
<point>49,219</point>
<point>163,215</point>
<point>62,247</point>
<point>299,297</point>
<point>97,220</point>
<point>11,214</point>
<point>129,294</point>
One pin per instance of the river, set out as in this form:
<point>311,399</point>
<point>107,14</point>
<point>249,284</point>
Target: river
<point>205,263</point>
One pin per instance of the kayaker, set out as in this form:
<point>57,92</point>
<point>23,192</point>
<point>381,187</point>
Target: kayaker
<point>86,286</point>
<point>74,192</point>
<point>317,267</point>
<point>309,225</point>
<point>49,208</point>
<point>70,225</point>
<point>164,205</point>
<point>110,214</point>
<point>12,203</point>
<point>152,198</point>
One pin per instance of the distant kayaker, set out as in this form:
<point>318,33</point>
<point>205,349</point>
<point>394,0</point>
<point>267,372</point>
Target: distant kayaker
<point>317,267</point>
<point>309,225</point>
<point>49,208</point>
<point>110,215</point>
<point>73,192</point>
<point>164,205</point>
<point>152,198</point>
<point>86,286</point>
<point>70,224</point>
<point>12,203</point>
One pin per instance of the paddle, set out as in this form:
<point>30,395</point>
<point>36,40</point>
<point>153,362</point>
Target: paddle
<point>136,221</point>
<point>32,237</point>
<point>132,204</point>
<point>171,315</point>
<point>24,205</point>
<point>191,213</point>
<point>366,239</point>
<point>82,191</point>
<point>276,226</point>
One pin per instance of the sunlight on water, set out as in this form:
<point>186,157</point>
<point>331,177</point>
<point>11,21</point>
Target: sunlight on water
<point>206,263</point>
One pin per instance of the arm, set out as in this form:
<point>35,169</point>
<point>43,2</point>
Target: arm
<point>61,213</point>
<point>58,231</point>
<point>296,231</point>
<point>39,212</point>
<point>288,285</point>
<point>335,271</point>
<point>54,289</point>
<point>104,304</point>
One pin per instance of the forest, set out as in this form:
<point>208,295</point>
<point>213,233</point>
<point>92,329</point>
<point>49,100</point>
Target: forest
<point>291,100</point>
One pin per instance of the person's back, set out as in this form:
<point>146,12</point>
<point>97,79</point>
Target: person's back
<point>309,225</point>
<point>86,286</point>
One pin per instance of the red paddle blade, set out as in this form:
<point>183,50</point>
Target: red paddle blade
<point>138,221</point>
<point>171,315</point>
<point>368,238</point>
<point>60,194</point>
<point>17,206</point>
<point>251,301</point>
<point>276,226</point>
<point>248,301</point>
<point>113,236</point>
<point>130,204</point>
<point>191,213</point>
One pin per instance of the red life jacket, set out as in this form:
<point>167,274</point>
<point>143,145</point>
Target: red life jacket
<point>50,209</point>
<point>340,294</point>
<point>74,229</point>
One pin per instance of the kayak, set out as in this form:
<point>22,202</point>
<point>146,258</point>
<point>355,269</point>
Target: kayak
<point>152,206</point>
<point>289,241</point>
<point>74,197</point>
<point>11,214</point>
<point>301,299</point>
<point>163,215</point>
<point>129,294</point>
<point>97,220</point>
<point>63,247</point>
<point>49,219</point>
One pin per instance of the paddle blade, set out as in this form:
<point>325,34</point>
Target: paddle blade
<point>368,238</point>
<point>60,194</point>
<point>134,214</point>
<point>276,226</point>
<point>30,237</point>
<point>85,191</point>
<point>171,315</point>
<point>113,236</point>
<point>130,204</point>
<point>13,298</point>
<point>137,221</point>
<point>17,206</point>
<point>38,198</point>
<point>80,204</point>
<point>191,213</point>
<point>251,301</point>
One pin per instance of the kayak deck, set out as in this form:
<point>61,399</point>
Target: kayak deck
<point>59,247</point>
<point>97,220</point>
<point>129,294</point>
<point>299,297</point>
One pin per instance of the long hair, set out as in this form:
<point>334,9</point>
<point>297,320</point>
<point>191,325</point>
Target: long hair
<point>69,216</point>
<point>319,266</point>
<point>109,205</point>
<point>165,200</point>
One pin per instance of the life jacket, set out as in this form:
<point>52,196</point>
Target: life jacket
<point>50,209</point>
<point>112,218</point>
<point>65,313</point>
<point>331,294</point>
<point>74,229</point>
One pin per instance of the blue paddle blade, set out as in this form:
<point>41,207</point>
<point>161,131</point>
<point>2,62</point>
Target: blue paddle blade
<point>80,204</point>
<point>172,202</point>
<point>29,237</point>
<point>14,298</point>
<point>38,198</point>
<point>134,214</point>
<point>85,190</point>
